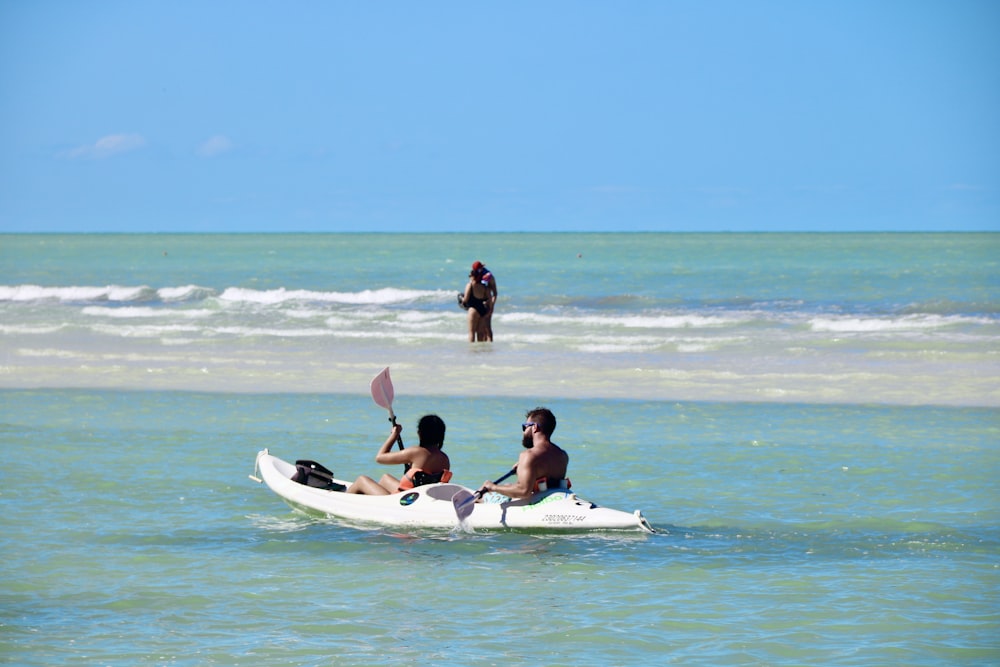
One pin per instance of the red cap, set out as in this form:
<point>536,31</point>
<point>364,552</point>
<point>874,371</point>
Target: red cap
<point>477,265</point>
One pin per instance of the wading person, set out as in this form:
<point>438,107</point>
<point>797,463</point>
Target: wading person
<point>478,302</point>
<point>487,278</point>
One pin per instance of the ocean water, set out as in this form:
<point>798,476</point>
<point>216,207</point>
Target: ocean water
<point>882,318</point>
<point>809,421</point>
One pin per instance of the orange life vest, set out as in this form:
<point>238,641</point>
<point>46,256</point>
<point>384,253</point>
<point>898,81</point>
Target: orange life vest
<point>416,477</point>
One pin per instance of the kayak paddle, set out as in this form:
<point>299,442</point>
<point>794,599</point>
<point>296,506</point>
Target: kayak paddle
<point>383,393</point>
<point>465,502</point>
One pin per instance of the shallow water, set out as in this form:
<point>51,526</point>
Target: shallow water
<point>788,534</point>
<point>809,420</point>
<point>909,319</point>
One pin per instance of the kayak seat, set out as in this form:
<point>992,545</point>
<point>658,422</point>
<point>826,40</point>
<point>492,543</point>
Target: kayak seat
<point>310,473</point>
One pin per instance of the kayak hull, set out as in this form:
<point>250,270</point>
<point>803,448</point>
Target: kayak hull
<point>431,506</point>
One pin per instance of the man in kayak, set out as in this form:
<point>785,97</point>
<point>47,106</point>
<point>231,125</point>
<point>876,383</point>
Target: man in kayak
<point>542,464</point>
<point>425,464</point>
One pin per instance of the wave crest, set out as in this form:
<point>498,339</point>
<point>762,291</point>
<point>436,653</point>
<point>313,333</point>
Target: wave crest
<point>379,297</point>
<point>76,293</point>
<point>879,324</point>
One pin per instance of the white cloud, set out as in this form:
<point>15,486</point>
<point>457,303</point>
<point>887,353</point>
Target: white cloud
<point>113,144</point>
<point>214,146</point>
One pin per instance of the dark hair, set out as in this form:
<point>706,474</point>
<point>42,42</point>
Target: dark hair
<point>544,418</point>
<point>430,430</point>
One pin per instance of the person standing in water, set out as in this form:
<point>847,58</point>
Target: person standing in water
<point>487,278</point>
<point>479,299</point>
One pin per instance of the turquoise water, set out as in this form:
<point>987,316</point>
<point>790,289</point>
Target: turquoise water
<point>810,422</point>
<point>809,318</point>
<point>788,534</point>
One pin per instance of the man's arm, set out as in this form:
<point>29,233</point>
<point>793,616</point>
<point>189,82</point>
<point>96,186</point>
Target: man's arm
<point>524,487</point>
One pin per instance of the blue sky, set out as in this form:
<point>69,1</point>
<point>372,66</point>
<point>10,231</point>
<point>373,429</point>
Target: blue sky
<point>463,116</point>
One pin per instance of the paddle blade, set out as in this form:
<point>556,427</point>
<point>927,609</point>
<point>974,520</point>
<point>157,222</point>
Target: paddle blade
<point>382,391</point>
<point>464,502</point>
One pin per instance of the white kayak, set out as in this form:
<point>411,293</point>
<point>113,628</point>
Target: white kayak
<point>445,505</point>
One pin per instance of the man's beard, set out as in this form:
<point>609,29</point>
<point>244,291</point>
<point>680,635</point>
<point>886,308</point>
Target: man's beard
<point>527,441</point>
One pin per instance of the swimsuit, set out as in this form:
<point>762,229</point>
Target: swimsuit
<point>479,304</point>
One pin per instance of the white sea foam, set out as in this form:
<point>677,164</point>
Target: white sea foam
<point>639,321</point>
<point>611,347</point>
<point>688,321</point>
<point>74,293</point>
<point>27,329</point>
<point>48,353</point>
<point>879,324</point>
<point>305,313</point>
<point>273,332</point>
<point>142,331</point>
<point>83,293</point>
<point>384,296</point>
<point>130,312</point>
<point>184,293</point>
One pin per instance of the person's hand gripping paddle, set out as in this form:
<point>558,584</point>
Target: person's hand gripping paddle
<point>465,502</point>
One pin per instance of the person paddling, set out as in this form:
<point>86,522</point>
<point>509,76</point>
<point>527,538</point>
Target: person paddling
<point>426,464</point>
<point>542,465</point>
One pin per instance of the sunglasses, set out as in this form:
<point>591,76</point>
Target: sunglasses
<point>525,425</point>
